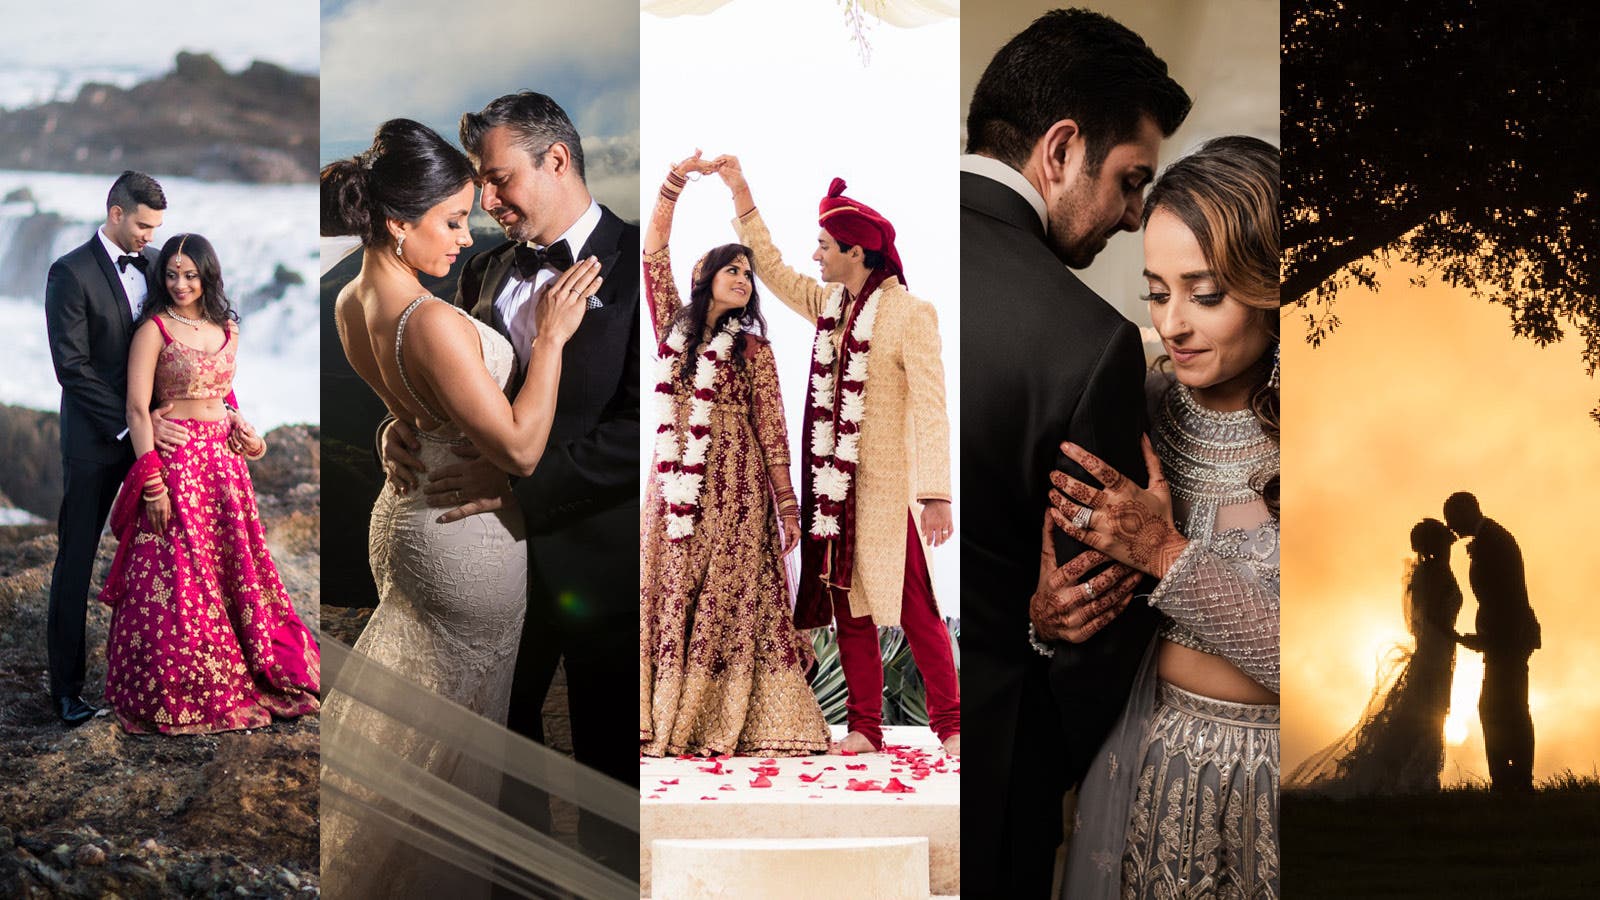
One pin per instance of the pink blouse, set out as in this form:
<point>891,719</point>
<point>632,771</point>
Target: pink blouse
<point>189,373</point>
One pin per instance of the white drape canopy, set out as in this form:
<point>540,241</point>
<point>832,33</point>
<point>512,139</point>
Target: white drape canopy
<point>900,13</point>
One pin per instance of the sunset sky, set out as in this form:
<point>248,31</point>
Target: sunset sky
<point>1422,392</point>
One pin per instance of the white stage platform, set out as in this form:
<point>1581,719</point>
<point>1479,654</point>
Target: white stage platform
<point>722,815</point>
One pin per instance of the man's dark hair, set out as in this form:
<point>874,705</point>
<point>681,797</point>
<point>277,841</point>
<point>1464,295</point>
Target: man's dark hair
<point>1071,64</point>
<point>134,188</point>
<point>536,120</point>
<point>872,259</point>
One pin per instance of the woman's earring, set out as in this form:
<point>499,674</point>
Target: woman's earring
<point>1272,380</point>
<point>399,248</point>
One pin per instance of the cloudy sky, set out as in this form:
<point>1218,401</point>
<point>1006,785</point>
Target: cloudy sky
<point>1423,392</point>
<point>432,62</point>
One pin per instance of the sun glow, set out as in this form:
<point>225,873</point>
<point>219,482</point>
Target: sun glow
<point>1455,729</point>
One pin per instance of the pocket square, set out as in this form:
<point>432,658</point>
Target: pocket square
<point>593,301</point>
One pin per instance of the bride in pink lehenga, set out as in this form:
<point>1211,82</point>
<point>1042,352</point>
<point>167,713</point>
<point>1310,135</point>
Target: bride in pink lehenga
<point>203,635</point>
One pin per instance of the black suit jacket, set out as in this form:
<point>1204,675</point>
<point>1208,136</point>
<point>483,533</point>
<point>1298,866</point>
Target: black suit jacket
<point>90,326</point>
<point>582,501</point>
<point>1044,360</point>
<point>1505,621</point>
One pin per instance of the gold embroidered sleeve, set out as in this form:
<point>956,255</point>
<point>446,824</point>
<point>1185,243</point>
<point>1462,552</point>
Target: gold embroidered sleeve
<point>660,292</point>
<point>930,422</point>
<point>766,407</point>
<point>803,294</point>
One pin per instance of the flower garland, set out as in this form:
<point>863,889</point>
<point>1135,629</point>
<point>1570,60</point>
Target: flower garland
<point>681,459</point>
<point>837,406</point>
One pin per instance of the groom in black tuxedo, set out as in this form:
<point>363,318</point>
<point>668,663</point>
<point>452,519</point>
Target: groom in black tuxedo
<point>1062,138</point>
<point>1507,634</point>
<point>91,299</point>
<point>582,502</point>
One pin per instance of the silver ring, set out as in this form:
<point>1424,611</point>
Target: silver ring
<point>1088,591</point>
<point>458,496</point>
<point>1080,519</point>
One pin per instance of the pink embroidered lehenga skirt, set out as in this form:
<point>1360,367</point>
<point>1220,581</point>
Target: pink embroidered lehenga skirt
<point>203,635</point>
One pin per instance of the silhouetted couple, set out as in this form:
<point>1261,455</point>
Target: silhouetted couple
<point>1398,746</point>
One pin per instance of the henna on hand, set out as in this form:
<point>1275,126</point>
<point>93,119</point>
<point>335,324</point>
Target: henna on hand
<point>1061,608</point>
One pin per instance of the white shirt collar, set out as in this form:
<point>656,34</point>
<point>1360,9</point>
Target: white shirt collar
<point>995,170</point>
<point>577,234</point>
<point>112,250</point>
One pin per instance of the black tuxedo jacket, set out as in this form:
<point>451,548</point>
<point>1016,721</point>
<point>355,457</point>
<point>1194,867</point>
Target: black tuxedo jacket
<point>90,326</point>
<point>1505,622</point>
<point>582,501</point>
<point>1044,360</point>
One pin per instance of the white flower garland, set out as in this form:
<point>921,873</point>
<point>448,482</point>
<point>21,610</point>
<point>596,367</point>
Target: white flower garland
<point>829,480</point>
<point>681,457</point>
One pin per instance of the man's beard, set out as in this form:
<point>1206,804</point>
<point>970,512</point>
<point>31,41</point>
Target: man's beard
<point>522,230</point>
<point>1071,208</point>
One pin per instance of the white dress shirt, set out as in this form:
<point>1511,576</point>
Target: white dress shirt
<point>134,286</point>
<point>515,300</point>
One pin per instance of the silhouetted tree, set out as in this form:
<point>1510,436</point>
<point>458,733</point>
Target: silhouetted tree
<point>1458,137</point>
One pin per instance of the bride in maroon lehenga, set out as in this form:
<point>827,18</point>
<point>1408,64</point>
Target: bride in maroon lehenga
<point>721,667</point>
<point>203,635</point>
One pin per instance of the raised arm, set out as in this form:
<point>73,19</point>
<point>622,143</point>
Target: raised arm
<point>801,293</point>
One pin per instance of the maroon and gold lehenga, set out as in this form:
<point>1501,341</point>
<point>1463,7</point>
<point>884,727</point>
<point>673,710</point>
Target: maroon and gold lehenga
<point>721,667</point>
<point>203,635</point>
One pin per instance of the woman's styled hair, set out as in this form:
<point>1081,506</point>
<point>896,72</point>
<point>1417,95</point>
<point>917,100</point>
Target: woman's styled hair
<point>1226,194</point>
<point>693,315</point>
<point>214,303</point>
<point>1431,538</point>
<point>408,170</point>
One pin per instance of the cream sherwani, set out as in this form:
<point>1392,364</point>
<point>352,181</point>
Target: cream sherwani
<point>905,430</point>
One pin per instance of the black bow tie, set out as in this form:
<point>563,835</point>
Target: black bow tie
<point>529,261</point>
<point>139,262</point>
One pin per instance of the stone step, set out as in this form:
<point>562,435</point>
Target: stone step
<point>870,868</point>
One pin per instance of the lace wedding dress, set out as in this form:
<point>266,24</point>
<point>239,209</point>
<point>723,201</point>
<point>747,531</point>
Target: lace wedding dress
<point>451,603</point>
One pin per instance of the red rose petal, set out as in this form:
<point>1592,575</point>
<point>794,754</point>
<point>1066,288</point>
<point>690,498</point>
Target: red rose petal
<point>667,781</point>
<point>761,781</point>
<point>810,778</point>
<point>895,787</point>
<point>727,787</point>
<point>769,762</point>
<point>858,767</point>
<point>707,798</point>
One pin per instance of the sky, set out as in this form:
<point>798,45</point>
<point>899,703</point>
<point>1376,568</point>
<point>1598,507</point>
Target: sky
<point>1420,393</point>
<point>783,87</point>
<point>432,62</point>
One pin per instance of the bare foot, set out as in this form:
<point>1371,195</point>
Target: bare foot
<point>952,746</point>
<point>854,742</point>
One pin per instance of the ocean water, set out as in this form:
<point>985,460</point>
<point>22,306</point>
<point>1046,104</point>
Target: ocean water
<point>258,230</point>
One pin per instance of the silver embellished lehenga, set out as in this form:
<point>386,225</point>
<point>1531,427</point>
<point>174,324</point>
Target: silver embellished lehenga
<point>1182,800</point>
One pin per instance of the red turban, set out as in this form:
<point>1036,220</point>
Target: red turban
<point>852,222</point>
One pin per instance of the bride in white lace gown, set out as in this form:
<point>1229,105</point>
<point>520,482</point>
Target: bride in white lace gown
<point>452,595</point>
